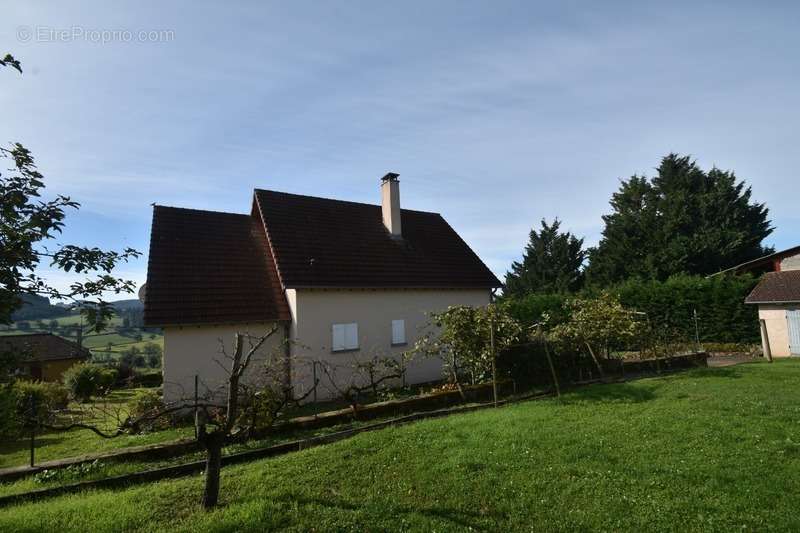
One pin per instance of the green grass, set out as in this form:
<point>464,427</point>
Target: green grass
<point>709,450</point>
<point>77,442</point>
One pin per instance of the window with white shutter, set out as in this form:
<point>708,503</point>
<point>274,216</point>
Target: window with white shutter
<point>345,337</point>
<point>398,332</point>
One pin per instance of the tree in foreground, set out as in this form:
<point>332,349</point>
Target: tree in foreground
<point>552,263</point>
<point>598,325</point>
<point>29,225</point>
<point>682,221</point>
<point>462,338</point>
<point>352,380</point>
<point>253,396</point>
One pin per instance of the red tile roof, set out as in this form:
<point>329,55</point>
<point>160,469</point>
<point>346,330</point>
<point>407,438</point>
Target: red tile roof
<point>319,242</point>
<point>207,267</point>
<point>776,287</point>
<point>217,268</point>
<point>36,347</point>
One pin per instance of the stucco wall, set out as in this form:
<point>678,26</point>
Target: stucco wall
<point>777,328</point>
<point>791,263</point>
<point>197,350</point>
<point>315,311</point>
<point>54,370</point>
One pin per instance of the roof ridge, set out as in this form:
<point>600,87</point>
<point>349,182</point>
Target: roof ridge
<point>258,190</point>
<point>158,206</point>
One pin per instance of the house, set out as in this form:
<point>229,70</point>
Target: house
<point>342,281</point>
<point>775,262</point>
<point>43,356</point>
<point>777,296</point>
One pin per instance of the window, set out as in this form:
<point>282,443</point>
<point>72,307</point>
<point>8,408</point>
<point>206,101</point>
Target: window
<point>345,337</point>
<point>398,332</point>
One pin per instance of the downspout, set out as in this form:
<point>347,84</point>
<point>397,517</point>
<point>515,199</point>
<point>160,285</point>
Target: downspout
<point>287,352</point>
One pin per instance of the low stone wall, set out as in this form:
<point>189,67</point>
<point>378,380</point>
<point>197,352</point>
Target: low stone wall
<point>423,402</point>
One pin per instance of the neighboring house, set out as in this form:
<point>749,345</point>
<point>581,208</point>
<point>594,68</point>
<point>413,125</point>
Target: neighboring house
<point>778,298</point>
<point>788,259</point>
<point>341,280</point>
<point>43,356</point>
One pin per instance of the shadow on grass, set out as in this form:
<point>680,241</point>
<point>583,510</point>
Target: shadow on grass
<point>626,392</point>
<point>466,520</point>
<point>728,372</point>
<point>23,443</point>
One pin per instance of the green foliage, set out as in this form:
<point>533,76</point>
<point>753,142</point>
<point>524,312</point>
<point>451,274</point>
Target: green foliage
<point>9,421</point>
<point>600,324</point>
<point>153,354</point>
<point>552,262</point>
<point>132,357</point>
<point>84,381</point>
<point>147,403</point>
<point>684,220</point>
<point>48,396</point>
<point>106,378</point>
<point>461,339</point>
<point>22,402</point>
<point>719,301</point>
<point>538,309</point>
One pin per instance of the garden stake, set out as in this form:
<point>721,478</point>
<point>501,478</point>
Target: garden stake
<point>33,426</point>
<point>195,407</point>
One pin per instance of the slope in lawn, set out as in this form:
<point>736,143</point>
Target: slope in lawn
<point>715,449</point>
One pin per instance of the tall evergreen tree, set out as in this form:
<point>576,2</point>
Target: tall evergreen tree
<point>552,262</point>
<point>684,220</point>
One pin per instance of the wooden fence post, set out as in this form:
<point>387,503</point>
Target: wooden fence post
<point>34,420</point>
<point>765,339</point>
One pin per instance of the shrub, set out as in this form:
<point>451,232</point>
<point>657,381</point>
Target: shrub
<point>538,308</point>
<point>125,373</point>
<point>47,398</point>
<point>83,381</point>
<point>147,402</point>
<point>460,337</point>
<point>719,301</point>
<point>9,421</point>
<point>147,378</point>
<point>106,379</point>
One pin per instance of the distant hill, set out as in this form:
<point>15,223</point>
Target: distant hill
<point>35,307</point>
<point>38,307</point>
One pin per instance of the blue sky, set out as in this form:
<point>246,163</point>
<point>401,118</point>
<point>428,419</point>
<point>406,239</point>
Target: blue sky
<point>495,114</point>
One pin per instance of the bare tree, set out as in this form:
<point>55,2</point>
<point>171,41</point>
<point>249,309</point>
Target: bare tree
<point>245,405</point>
<point>351,381</point>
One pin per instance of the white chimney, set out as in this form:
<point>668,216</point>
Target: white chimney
<point>390,203</point>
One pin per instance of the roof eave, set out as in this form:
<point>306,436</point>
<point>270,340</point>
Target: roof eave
<point>214,324</point>
<point>772,302</point>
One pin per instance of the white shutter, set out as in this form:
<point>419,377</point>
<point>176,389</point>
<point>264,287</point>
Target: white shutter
<point>345,337</point>
<point>398,331</point>
<point>338,337</point>
<point>351,337</point>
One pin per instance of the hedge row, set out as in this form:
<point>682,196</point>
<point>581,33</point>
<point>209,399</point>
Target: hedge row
<point>719,301</point>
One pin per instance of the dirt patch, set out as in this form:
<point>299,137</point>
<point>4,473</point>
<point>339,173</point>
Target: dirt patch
<point>717,361</point>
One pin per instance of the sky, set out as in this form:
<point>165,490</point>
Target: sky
<point>495,114</point>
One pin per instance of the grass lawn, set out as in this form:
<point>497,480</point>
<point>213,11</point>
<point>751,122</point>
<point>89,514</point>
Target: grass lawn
<point>57,445</point>
<point>707,450</point>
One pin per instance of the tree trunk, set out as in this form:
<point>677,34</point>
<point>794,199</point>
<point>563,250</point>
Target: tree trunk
<point>454,372</point>
<point>213,445</point>
<point>596,361</point>
<point>552,367</point>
